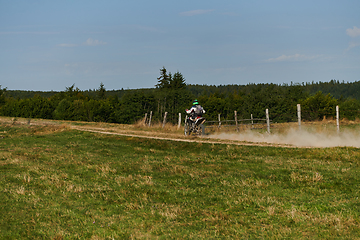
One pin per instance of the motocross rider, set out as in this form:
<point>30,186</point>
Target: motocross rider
<point>196,111</point>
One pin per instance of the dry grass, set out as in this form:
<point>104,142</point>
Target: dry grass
<point>313,178</point>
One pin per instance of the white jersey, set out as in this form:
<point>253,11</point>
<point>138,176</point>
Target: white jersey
<point>197,109</point>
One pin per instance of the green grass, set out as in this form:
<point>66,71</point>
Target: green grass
<point>57,183</point>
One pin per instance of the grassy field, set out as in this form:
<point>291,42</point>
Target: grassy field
<point>58,183</point>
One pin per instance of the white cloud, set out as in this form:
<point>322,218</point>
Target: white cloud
<point>295,57</point>
<point>67,45</point>
<point>353,32</point>
<point>352,45</point>
<point>92,42</point>
<point>195,12</point>
<point>227,69</point>
<point>231,14</point>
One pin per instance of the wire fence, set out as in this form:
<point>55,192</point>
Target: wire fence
<point>252,123</point>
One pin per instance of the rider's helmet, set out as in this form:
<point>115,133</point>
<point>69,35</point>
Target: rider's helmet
<point>195,102</point>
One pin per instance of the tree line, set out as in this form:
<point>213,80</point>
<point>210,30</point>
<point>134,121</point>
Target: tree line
<point>173,95</point>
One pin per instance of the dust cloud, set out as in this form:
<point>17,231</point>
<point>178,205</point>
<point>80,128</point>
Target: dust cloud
<point>299,138</point>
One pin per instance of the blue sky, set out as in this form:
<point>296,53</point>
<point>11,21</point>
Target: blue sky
<point>51,45</point>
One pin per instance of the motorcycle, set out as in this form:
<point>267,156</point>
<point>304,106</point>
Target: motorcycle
<point>194,125</point>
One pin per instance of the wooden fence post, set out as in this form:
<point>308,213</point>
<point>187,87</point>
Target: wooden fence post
<point>267,120</point>
<point>164,122</point>
<point>145,119</point>
<point>236,121</point>
<point>252,121</point>
<point>219,120</point>
<point>179,124</point>
<point>337,119</point>
<point>150,118</point>
<point>299,115</point>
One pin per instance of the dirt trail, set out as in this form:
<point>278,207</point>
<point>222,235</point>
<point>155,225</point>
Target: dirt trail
<point>174,137</point>
<point>170,134</point>
<point>289,137</point>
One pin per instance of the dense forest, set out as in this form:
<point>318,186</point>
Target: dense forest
<point>173,95</point>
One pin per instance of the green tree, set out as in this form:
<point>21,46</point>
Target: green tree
<point>350,109</point>
<point>64,110</point>
<point>214,104</point>
<point>178,81</point>
<point>101,91</point>
<point>318,106</point>
<point>2,96</point>
<point>133,107</point>
<point>164,79</point>
<point>172,96</point>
